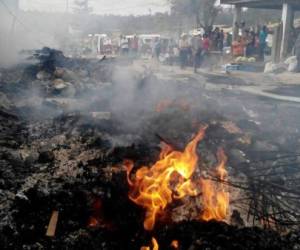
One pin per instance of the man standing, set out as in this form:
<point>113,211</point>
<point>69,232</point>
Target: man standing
<point>124,45</point>
<point>197,51</point>
<point>216,37</point>
<point>156,48</point>
<point>135,46</point>
<point>262,42</point>
<point>221,41</point>
<point>184,50</point>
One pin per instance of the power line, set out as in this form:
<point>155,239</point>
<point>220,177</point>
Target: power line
<point>18,21</point>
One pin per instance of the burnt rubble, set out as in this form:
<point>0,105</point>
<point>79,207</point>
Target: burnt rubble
<point>63,142</point>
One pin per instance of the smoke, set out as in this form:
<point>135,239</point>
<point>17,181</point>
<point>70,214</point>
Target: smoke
<point>25,30</point>
<point>61,28</point>
<point>133,92</point>
<point>137,92</point>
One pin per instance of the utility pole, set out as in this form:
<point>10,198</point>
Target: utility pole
<point>150,11</point>
<point>65,42</point>
<point>86,6</point>
<point>82,6</point>
<point>67,6</point>
<point>12,32</point>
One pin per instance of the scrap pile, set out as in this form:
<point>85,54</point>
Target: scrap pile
<point>63,184</point>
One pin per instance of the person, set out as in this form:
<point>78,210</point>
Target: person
<point>243,28</point>
<point>157,48</point>
<point>197,51</point>
<point>262,42</point>
<point>249,43</point>
<point>206,44</point>
<point>135,45</point>
<point>221,41</point>
<point>176,53</point>
<point>238,47</point>
<point>124,45</point>
<point>215,38</point>
<point>228,39</point>
<point>184,50</point>
<point>172,53</point>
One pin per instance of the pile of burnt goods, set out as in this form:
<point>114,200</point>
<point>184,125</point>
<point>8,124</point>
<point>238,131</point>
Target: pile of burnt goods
<point>65,185</point>
<point>53,65</point>
<point>48,79</point>
<point>86,181</point>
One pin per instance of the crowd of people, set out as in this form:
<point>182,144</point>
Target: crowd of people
<point>127,45</point>
<point>197,48</point>
<point>251,43</point>
<point>193,50</point>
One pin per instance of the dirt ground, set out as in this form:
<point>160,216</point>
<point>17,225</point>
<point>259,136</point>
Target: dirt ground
<point>283,86</point>
<point>65,132</point>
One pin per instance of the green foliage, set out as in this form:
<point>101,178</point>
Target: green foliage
<point>204,12</point>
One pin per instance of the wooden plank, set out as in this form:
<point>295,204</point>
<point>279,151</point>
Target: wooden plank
<point>52,224</point>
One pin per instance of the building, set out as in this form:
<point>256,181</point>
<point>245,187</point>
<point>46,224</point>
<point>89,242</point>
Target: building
<point>288,7</point>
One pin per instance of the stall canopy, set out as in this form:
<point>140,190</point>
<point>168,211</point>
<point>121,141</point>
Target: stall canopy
<point>288,8</point>
<point>263,4</point>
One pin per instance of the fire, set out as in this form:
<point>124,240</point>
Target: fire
<point>96,219</point>
<point>154,243</point>
<point>93,222</point>
<point>215,197</point>
<point>175,244</point>
<point>171,178</point>
<point>97,215</point>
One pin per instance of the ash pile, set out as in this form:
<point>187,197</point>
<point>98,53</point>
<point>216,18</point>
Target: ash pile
<point>67,129</point>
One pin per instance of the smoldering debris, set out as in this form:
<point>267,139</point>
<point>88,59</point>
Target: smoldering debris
<point>65,134</point>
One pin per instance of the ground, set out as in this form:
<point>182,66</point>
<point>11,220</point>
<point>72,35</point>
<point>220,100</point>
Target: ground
<point>65,134</point>
<point>262,84</point>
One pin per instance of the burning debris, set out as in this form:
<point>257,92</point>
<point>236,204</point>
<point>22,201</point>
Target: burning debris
<point>155,245</point>
<point>170,179</point>
<point>63,181</point>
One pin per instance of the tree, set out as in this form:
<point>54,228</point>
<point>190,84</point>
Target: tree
<point>81,18</point>
<point>82,6</point>
<point>204,12</point>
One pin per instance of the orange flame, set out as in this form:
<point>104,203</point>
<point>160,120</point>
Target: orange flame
<point>97,216</point>
<point>96,219</point>
<point>154,243</point>
<point>175,244</point>
<point>215,197</point>
<point>171,178</point>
